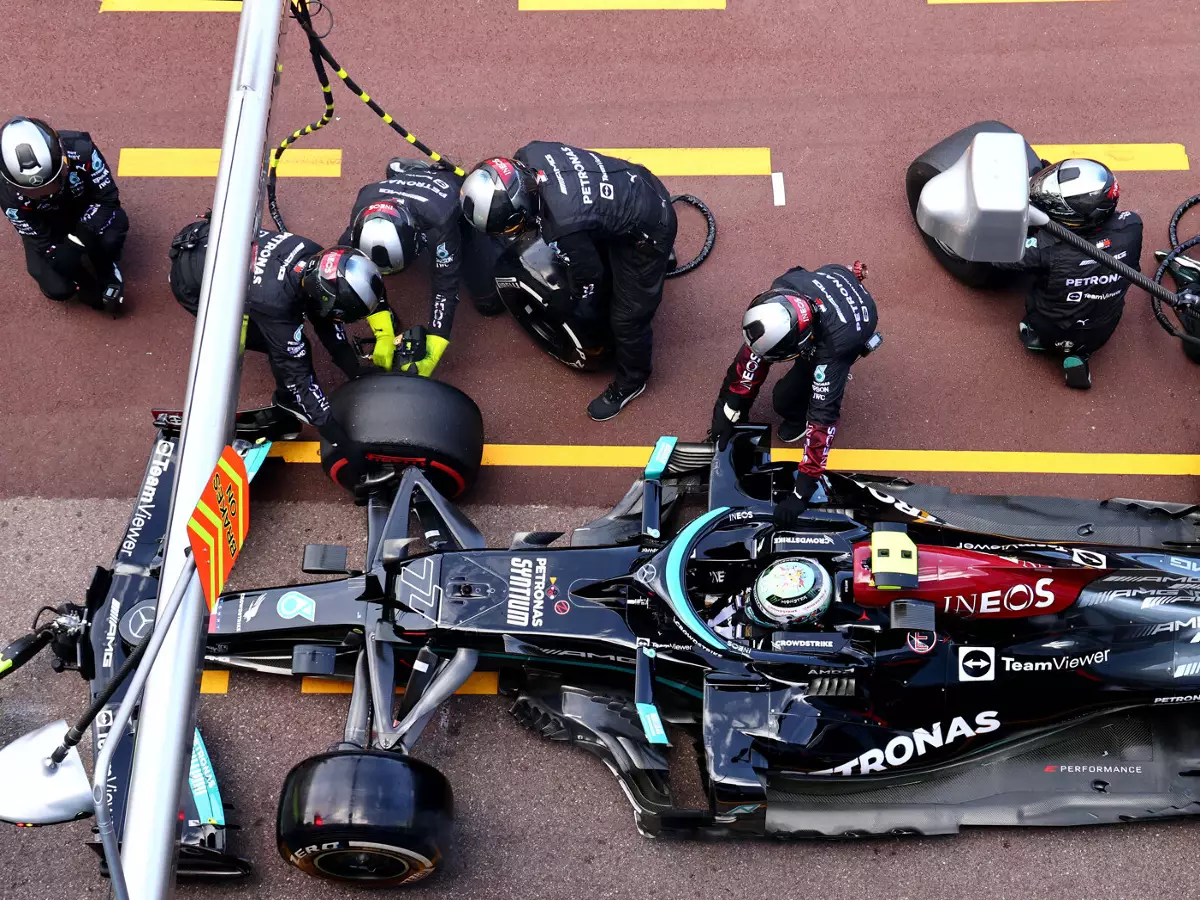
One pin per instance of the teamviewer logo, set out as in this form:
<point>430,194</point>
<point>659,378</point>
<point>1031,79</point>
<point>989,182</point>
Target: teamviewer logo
<point>976,663</point>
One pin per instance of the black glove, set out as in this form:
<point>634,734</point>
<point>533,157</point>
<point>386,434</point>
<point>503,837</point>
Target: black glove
<point>65,257</point>
<point>722,425</point>
<point>792,508</point>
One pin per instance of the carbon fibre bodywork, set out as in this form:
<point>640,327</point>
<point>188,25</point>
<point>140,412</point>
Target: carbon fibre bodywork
<point>1036,672</point>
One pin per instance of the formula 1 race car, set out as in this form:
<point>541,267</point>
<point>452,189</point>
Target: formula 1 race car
<point>909,661</point>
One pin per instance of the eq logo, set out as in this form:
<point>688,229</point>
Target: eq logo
<point>294,603</point>
<point>976,663</point>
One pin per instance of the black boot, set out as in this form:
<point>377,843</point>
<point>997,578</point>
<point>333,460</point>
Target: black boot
<point>612,401</point>
<point>1076,372</point>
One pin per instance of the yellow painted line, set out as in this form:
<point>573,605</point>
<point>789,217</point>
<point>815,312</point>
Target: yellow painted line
<point>214,681</point>
<point>477,683</point>
<point>1122,157</point>
<point>697,160</point>
<point>170,6</point>
<point>843,459</point>
<point>1031,462</point>
<point>578,5</point>
<point>202,162</point>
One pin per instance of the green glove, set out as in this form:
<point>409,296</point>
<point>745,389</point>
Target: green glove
<point>385,339</point>
<point>435,346</point>
<point>242,340</point>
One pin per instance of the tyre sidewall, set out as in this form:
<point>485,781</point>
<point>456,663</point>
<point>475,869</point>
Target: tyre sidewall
<point>382,804</point>
<point>405,420</point>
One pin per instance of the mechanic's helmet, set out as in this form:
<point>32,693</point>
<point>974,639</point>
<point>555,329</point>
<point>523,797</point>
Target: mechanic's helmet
<point>31,157</point>
<point>777,325</point>
<point>499,196</point>
<point>1075,192</point>
<point>342,283</point>
<point>792,591</point>
<point>386,232</point>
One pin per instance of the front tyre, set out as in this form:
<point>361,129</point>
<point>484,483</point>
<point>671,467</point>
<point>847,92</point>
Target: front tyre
<point>406,420</point>
<point>369,818</point>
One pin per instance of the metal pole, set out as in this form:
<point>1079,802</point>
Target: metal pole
<point>164,616</point>
<point>167,713</point>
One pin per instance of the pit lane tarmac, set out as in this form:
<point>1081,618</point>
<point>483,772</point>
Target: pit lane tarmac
<point>533,819</point>
<point>843,97</point>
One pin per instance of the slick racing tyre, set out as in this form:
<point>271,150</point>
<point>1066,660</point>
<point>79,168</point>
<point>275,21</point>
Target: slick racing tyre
<point>933,162</point>
<point>366,817</point>
<point>533,287</point>
<point>406,420</point>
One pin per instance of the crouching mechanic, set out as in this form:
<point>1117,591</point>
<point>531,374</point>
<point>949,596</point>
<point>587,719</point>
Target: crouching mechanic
<point>825,320</point>
<point>294,278</point>
<point>1074,303</point>
<point>60,196</point>
<point>600,214</point>
<point>394,221</point>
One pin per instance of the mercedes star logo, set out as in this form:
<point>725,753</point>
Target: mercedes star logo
<point>140,621</point>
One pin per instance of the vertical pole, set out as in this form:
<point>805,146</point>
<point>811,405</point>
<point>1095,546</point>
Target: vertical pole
<point>168,709</point>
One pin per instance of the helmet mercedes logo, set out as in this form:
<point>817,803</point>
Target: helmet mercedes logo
<point>35,180</point>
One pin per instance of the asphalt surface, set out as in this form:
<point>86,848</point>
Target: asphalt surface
<point>533,819</point>
<point>845,95</point>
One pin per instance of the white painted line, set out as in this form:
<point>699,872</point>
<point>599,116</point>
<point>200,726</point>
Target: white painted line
<point>777,188</point>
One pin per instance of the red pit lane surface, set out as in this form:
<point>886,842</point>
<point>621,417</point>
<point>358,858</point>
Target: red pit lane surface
<point>844,98</point>
<point>845,95</point>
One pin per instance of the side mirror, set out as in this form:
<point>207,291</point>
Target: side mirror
<point>979,207</point>
<point>34,793</point>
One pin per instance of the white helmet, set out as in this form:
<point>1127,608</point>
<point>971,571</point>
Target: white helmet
<point>791,591</point>
<point>31,157</point>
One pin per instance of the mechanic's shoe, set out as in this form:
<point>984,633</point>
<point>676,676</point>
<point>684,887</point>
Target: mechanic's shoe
<point>790,432</point>
<point>612,401</point>
<point>1030,338</point>
<point>490,305</point>
<point>112,297</point>
<point>1076,372</point>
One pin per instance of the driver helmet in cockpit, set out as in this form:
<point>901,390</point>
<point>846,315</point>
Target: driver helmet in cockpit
<point>793,591</point>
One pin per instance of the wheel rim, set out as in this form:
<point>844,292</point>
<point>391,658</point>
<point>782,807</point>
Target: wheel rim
<point>359,864</point>
<point>552,339</point>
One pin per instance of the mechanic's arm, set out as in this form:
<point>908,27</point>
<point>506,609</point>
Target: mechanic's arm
<point>104,200</point>
<point>824,412</point>
<point>585,275</point>
<point>743,379</point>
<point>289,354</point>
<point>446,254</point>
<point>291,364</point>
<point>1134,257</point>
<point>333,336</point>
<point>34,229</point>
<point>1032,259</point>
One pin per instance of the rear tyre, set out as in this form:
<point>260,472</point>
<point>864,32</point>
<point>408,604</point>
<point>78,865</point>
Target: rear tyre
<point>411,421</point>
<point>365,817</point>
<point>933,162</point>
